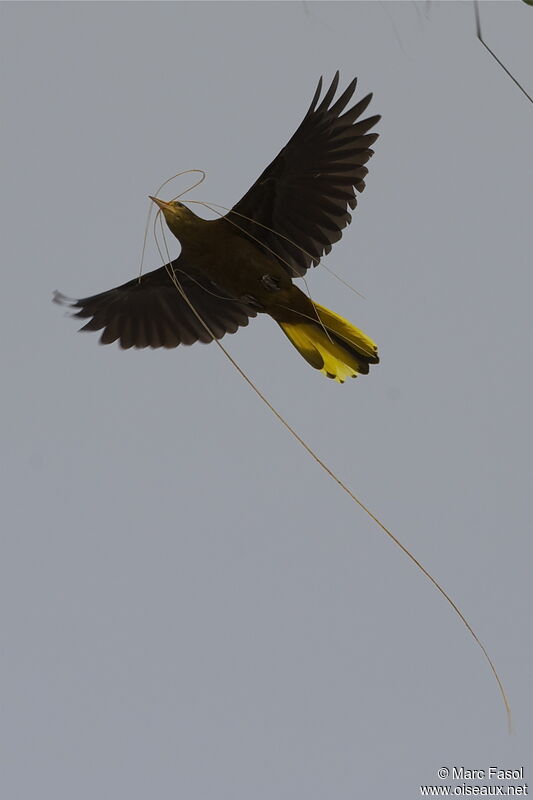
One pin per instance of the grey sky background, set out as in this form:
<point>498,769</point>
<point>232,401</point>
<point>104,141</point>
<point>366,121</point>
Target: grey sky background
<point>189,607</point>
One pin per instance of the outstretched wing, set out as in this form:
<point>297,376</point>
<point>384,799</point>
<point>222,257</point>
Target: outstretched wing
<point>151,312</point>
<point>304,194</point>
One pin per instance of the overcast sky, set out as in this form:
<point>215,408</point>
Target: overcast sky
<point>189,606</point>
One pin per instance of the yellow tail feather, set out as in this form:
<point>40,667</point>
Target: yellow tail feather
<point>335,347</point>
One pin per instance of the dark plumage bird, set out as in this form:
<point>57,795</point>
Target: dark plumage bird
<point>241,264</point>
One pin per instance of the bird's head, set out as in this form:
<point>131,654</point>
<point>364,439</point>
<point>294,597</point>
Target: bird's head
<point>178,217</point>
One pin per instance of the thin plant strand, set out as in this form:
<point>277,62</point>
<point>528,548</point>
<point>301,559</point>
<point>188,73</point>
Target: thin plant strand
<point>493,54</point>
<point>156,194</point>
<point>335,478</point>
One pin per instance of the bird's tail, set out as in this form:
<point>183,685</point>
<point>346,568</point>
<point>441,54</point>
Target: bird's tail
<point>333,345</point>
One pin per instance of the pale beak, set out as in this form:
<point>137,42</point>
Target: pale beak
<point>161,203</point>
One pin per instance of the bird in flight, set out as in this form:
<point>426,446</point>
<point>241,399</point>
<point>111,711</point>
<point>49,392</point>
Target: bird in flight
<point>234,267</point>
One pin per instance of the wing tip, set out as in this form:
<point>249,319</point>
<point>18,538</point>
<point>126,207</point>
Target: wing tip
<point>62,299</point>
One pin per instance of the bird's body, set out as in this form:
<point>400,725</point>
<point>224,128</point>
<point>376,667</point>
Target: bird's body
<point>232,268</point>
<point>237,264</point>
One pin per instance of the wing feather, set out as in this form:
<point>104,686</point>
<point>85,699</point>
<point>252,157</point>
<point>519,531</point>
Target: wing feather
<point>306,191</point>
<point>151,312</point>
